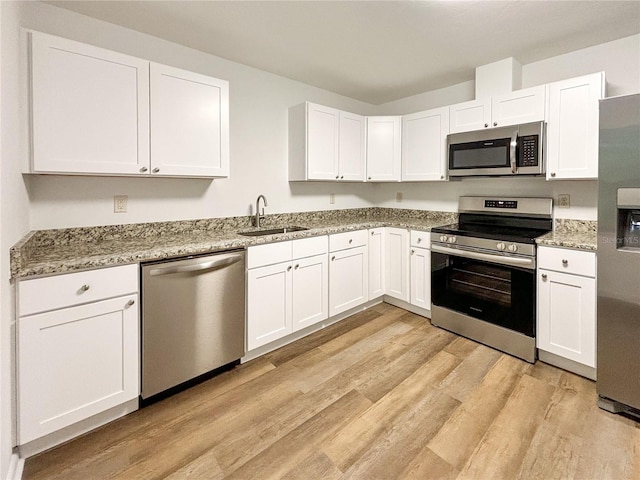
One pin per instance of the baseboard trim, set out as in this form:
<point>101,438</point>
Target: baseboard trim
<point>566,364</point>
<point>16,467</point>
<point>423,312</point>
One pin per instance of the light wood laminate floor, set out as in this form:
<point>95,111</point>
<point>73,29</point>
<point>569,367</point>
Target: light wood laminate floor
<point>381,395</point>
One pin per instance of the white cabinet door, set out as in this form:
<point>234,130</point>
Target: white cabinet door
<point>376,262</point>
<point>76,362</point>
<point>90,109</point>
<point>348,279</point>
<point>310,295</point>
<point>468,116</point>
<point>567,316</point>
<point>573,127</point>
<point>521,106</point>
<point>189,123</point>
<point>421,277</point>
<point>352,147</point>
<point>384,148</point>
<point>269,309</point>
<point>397,263</point>
<point>424,145</point>
<point>323,129</point>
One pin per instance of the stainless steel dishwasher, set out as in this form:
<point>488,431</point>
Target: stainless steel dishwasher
<point>193,317</point>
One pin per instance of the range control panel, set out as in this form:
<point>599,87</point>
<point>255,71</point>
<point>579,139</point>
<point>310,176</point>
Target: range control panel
<point>500,204</point>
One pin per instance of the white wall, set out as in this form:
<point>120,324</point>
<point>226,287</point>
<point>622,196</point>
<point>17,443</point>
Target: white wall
<point>620,60</point>
<point>14,210</point>
<point>258,125</point>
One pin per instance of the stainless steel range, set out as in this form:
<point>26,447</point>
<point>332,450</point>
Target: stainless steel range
<point>483,282</point>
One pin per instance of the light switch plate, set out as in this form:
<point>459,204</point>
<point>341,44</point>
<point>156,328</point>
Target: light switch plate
<point>564,200</point>
<point>398,197</point>
<point>332,198</point>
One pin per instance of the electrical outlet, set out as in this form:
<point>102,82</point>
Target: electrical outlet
<point>332,198</point>
<point>398,197</point>
<point>564,200</point>
<point>120,203</point>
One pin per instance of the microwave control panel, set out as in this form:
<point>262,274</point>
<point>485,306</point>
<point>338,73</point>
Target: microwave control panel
<point>528,151</point>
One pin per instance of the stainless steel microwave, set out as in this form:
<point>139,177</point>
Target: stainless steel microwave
<point>515,150</point>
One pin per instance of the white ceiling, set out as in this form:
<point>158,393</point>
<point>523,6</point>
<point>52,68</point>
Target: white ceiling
<point>375,51</point>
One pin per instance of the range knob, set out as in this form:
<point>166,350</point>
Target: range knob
<point>513,247</point>
<point>451,239</point>
<point>501,246</point>
<point>443,238</point>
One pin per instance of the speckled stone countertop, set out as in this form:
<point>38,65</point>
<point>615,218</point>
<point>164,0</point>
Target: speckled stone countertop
<point>577,234</point>
<point>47,252</point>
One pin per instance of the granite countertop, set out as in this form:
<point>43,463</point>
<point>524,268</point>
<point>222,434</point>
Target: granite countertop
<point>576,234</point>
<point>48,252</point>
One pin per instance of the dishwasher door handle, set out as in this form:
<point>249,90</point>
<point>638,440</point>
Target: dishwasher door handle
<point>210,265</point>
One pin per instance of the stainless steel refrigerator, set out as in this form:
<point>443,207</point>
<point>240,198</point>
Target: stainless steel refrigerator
<point>618,277</point>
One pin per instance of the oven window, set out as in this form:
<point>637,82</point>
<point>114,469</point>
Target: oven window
<point>498,294</point>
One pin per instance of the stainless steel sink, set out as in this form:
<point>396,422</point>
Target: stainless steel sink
<point>273,231</point>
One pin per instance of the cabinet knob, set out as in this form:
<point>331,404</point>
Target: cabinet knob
<point>337,177</point>
<point>130,302</point>
<point>495,124</point>
<point>333,258</point>
<point>412,251</point>
<point>84,288</point>
<point>441,177</point>
<point>565,262</point>
<point>419,239</point>
<point>486,125</point>
<point>297,266</point>
<point>372,233</point>
<point>350,240</point>
<point>289,268</point>
<point>144,169</point>
<point>341,177</point>
<point>155,170</point>
<point>544,276</point>
<point>368,178</point>
<point>553,174</point>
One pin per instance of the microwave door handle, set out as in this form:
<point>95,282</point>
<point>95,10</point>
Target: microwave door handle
<point>512,151</point>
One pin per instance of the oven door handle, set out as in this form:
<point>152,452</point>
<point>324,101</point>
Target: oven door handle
<point>529,263</point>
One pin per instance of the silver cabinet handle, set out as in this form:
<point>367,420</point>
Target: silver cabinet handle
<point>544,276</point>
<point>155,170</point>
<point>144,169</point>
<point>130,302</point>
<point>196,267</point>
<point>565,262</point>
<point>84,288</point>
<point>289,268</point>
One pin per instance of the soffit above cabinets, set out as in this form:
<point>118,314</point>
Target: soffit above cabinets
<point>374,51</point>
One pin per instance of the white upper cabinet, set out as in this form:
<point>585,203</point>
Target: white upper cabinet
<point>351,152</point>
<point>90,108</point>
<point>189,123</point>
<point>384,148</point>
<point>573,127</point>
<point>325,144</point>
<point>92,111</point>
<point>520,106</point>
<point>424,145</point>
<point>468,116</point>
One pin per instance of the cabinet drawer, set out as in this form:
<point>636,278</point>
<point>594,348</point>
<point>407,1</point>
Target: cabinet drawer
<point>308,247</point>
<point>420,239</point>
<point>43,294</point>
<point>340,241</point>
<point>269,254</point>
<point>575,262</point>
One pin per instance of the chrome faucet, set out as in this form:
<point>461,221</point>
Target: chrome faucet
<point>258,217</point>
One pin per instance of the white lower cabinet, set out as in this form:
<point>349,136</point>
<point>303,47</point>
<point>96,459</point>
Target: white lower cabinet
<point>567,309</point>
<point>348,271</point>
<point>76,359</point>
<point>420,291</point>
<point>397,263</point>
<point>377,255</point>
<point>289,295</point>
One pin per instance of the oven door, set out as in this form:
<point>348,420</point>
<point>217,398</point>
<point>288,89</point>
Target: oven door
<point>504,295</point>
